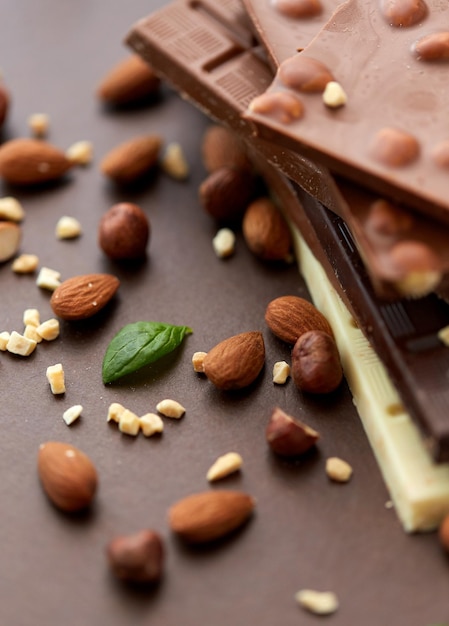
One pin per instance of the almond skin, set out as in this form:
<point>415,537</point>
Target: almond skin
<point>235,362</point>
<point>210,515</point>
<point>31,161</point>
<point>129,81</point>
<point>289,317</point>
<point>287,436</point>
<point>130,160</point>
<point>82,296</point>
<point>265,231</point>
<point>68,476</point>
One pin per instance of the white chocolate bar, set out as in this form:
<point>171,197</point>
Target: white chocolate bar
<point>419,487</point>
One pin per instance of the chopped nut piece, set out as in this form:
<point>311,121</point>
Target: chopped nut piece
<point>170,408</point>
<point>25,264</point>
<point>48,330</point>
<point>198,362</point>
<point>224,243</point>
<point>4,338</point>
<point>319,602</point>
<point>174,162</point>
<point>48,279</point>
<point>281,371</point>
<point>224,465</point>
<point>72,414</point>
<point>443,335</point>
<point>150,423</point>
<point>55,376</point>
<point>30,332</point>
<point>338,470</point>
<point>10,236</point>
<point>80,153</point>
<point>68,228</point>
<point>11,209</point>
<point>334,95</point>
<point>31,317</point>
<point>18,344</point>
<point>39,124</point>
<point>417,284</point>
<point>129,423</point>
<point>114,412</point>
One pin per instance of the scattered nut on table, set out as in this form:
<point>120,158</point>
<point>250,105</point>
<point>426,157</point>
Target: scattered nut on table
<point>170,408</point>
<point>224,466</point>
<point>25,264</point>
<point>137,558</point>
<point>56,378</point>
<point>71,414</point>
<point>281,372</point>
<point>198,362</point>
<point>338,470</point>
<point>319,602</point>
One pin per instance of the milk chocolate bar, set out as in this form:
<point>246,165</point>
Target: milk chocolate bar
<point>403,333</point>
<point>391,134</point>
<point>382,229</point>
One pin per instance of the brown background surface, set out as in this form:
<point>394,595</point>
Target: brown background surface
<point>306,532</point>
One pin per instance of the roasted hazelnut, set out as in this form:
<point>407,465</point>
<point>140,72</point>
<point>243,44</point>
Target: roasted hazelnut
<point>287,436</point>
<point>124,232</point>
<point>316,366</point>
<point>137,558</point>
<point>226,193</point>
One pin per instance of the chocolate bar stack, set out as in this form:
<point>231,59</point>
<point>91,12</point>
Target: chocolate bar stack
<point>362,176</point>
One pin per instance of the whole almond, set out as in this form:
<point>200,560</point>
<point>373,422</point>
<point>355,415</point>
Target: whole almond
<point>68,476</point>
<point>129,81</point>
<point>289,317</point>
<point>31,161</point>
<point>4,103</point>
<point>265,231</point>
<point>222,148</point>
<point>226,193</point>
<point>128,161</point>
<point>235,362</point>
<point>82,296</point>
<point>210,515</point>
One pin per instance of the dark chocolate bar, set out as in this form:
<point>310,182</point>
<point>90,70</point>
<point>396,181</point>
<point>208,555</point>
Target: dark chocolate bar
<point>404,333</point>
<point>391,135</point>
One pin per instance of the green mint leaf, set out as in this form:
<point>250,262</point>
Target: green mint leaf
<point>139,344</point>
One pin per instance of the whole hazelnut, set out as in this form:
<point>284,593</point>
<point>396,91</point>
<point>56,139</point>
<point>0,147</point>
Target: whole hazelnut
<point>124,232</point>
<point>316,366</point>
<point>137,558</point>
<point>287,436</point>
<point>226,193</point>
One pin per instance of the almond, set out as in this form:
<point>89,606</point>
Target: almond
<point>4,103</point>
<point>226,193</point>
<point>128,161</point>
<point>235,362</point>
<point>31,161</point>
<point>130,81</point>
<point>68,476</point>
<point>206,516</point>
<point>82,296</point>
<point>265,231</point>
<point>289,317</point>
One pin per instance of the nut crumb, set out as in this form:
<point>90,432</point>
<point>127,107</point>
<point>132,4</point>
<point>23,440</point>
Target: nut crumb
<point>68,228</point>
<point>198,362</point>
<point>224,243</point>
<point>39,124</point>
<point>443,335</point>
<point>11,209</point>
<point>338,470</point>
<point>4,338</point>
<point>319,602</point>
<point>170,408</point>
<point>55,376</point>
<point>48,330</point>
<point>30,332</point>
<point>224,465</point>
<point>25,264</point>
<point>281,372</point>
<point>150,424</point>
<point>129,423</point>
<point>31,317</point>
<point>115,411</point>
<point>80,153</point>
<point>72,414</point>
<point>48,279</point>
<point>174,163</point>
<point>18,344</point>
<point>334,95</point>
